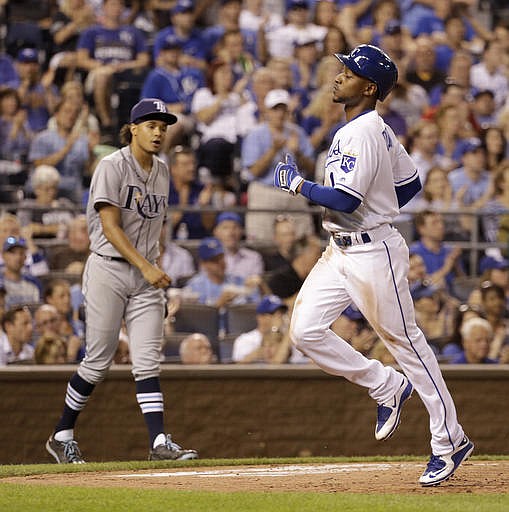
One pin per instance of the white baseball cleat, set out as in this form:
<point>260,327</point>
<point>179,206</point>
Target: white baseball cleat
<point>388,414</point>
<point>441,467</point>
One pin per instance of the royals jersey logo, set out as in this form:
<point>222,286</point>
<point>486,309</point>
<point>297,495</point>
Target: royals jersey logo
<point>149,206</point>
<point>348,162</point>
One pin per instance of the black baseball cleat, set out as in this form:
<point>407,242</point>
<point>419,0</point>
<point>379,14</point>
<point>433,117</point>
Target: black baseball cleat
<point>388,414</point>
<point>65,452</point>
<point>171,451</point>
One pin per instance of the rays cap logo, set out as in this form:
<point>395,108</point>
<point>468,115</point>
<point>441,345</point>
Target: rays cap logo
<point>151,109</point>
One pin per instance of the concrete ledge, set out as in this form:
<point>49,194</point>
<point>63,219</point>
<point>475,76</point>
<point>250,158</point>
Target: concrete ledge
<point>241,411</point>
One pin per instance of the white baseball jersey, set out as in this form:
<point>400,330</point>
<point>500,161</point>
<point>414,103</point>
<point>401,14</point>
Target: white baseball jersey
<point>367,161</point>
<point>142,198</point>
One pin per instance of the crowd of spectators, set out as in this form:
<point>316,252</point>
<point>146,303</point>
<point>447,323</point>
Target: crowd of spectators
<point>250,80</point>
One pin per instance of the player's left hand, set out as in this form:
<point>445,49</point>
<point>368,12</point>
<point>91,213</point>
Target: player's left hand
<point>287,176</point>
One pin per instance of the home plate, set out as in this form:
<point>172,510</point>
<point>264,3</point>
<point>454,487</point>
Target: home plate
<point>275,471</point>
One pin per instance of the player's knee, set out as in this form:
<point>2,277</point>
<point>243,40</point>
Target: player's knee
<point>94,375</point>
<point>303,332</point>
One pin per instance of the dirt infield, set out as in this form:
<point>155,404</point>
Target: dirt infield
<point>476,477</point>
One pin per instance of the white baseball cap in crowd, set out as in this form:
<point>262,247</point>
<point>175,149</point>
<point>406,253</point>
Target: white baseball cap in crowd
<point>277,97</point>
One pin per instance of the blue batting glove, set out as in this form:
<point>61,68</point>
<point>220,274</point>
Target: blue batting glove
<point>287,176</point>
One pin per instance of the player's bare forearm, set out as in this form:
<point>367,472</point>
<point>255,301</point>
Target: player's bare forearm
<point>110,220</point>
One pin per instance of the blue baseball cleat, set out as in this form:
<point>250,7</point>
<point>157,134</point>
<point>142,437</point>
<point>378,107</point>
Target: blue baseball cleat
<point>441,467</point>
<point>388,414</point>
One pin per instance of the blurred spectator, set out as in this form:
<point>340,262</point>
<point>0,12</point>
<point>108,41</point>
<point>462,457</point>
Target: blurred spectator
<point>38,94</point>
<point>183,29</point>
<point>495,269</point>
<point>262,148</point>
<point>106,49</point>
<point>495,145</point>
<point>50,350</point>
<point>35,263</point>
<point>67,24</point>
<point>476,337</point>
<point>410,101</point>
<point>58,294</point>
<point>15,132</point>
<point>383,12</point>
<point>454,347</point>
<point>187,191</point>
<point>228,19</point>
<point>76,250</point>
<point>490,73</point>
<point>495,220</point>
<point>393,118</point>
<point>484,111</point>
<point>326,15</point>
<point>422,70</point>
<point>66,149</point>
<point>46,215</point>
<point>286,281</point>
<point>230,49</point>
<point>269,342</point>
<point>416,270</point>
<point>240,261</point>
<point>381,353</point>
<point>212,284</point>
<point>453,36</point>
<point>22,288</point>
<point>47,324</point>
<point>334,40</point>
<point>86,123</point>
<point>176,261</point>
<point>304,66</point>
<point>15,345</point>
<point>437,195</point>
<point>442,262</point>
<point>352,327</point>
<point>284,236</point>
<point>256,15</point>
<point>321,118</point>
<point>424,138</point>
<point>174,84</point>
<point>493,303</point>
<point>459,69</point>
<point>8,74</point>
<point>281,40</point>
<point>434,313</point>
<point>196,349</point>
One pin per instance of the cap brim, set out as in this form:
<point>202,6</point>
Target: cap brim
<point>162,116</point>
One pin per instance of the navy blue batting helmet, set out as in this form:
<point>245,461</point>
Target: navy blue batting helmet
<point>372,63</point>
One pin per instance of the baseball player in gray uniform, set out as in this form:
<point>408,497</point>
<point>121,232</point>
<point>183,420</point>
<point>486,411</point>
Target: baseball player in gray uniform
<point>368,177</point>
<point>125,213</point>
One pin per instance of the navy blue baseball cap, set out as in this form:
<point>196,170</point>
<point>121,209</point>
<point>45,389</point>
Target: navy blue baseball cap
<point>352,313</point>
<point>210,248</point>
<point>471,145</point>
<point>235,217</point>
<point>151,108</point>
<point>182,6</point>
<point>270,304</point>
<point>297,4</point>
<point>489,262</point>
<point>28,55</point>
<point>13,241</point>
<point>171,43</point>
<point>420,291</point>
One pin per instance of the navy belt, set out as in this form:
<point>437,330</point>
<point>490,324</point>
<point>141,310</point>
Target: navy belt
<point>348,240</point>
<point>112,258</point>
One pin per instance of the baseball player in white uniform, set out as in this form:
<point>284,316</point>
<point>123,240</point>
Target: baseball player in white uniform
<point>121,281</point>
<point>368,177</point>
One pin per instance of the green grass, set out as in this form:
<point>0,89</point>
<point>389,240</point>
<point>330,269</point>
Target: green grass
<point>50,498</point>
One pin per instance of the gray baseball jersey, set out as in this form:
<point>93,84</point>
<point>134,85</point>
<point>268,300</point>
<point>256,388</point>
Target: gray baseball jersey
<point>142,198</point>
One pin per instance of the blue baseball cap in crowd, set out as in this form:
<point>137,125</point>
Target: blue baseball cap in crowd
<point>270,304</point>
<point>13,241</point>
<point>297,4</point>
<point>489,263</point>
<point>151,108</point>
<point>171,43</point>
<point>471,145</point>
<point>235,217</point>
<point>420,291</point>
<point>182,6</point>
<point>28,55</point>
<point>210,248</point>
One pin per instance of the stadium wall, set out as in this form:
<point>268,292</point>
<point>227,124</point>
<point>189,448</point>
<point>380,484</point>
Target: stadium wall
<point>234,411</point>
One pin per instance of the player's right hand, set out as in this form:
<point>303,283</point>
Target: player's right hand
<point>287,176</point>
<point>156,277</point>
